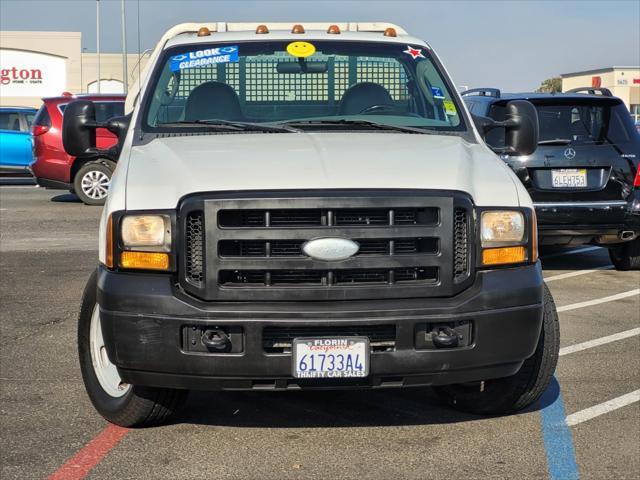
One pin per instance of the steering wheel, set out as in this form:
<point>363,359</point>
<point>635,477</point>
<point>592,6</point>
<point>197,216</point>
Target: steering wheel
<point>378,108</point>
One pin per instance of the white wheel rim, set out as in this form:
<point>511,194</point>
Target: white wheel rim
<point>105,371</point>
<point>95,184</point>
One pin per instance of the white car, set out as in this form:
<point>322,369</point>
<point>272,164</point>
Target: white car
<point>310,206</point>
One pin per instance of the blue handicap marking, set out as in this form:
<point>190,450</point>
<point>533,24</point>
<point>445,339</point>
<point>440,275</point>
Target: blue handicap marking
<point>558,440</point>
<point>204,57</point>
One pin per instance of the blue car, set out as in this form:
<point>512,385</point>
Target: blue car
<point>15,139</point>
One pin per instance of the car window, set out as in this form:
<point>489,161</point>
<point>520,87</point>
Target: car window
<point>582,122</point>
<point>331,80</point>
<point>104,110</point>
<point>107,110</point>
<point>29,118</point>
<point>42,117</point>
<point>10,121</point>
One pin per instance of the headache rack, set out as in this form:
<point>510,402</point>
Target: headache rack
<point>248,246</point>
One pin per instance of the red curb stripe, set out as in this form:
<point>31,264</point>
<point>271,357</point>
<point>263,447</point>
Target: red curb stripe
<point>91,454</point>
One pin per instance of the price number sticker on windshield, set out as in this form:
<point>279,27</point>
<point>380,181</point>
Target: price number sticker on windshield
<point>569,178</point>
<point>335,357</point>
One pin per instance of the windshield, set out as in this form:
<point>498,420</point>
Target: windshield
<point>315,84</point>
<point>575,123</point>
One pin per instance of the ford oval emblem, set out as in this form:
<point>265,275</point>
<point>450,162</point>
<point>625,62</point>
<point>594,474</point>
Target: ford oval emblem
<point>330,249</point>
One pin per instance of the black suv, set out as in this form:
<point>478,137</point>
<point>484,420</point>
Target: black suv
<point>584,178</point>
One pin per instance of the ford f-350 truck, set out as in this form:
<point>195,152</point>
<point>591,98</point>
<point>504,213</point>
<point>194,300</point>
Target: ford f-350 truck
<point>309,206</point>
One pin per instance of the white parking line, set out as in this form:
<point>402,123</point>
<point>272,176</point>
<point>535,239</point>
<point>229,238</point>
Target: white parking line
<point>601,409</point>
<point>578,347</point>
<point>575,274</point>
<point>571,252</point>
<point>598,301</point>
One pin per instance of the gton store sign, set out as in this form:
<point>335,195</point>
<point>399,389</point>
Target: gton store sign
<point>31,74</point>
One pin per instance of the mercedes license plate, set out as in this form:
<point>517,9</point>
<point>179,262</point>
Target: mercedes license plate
<point>334,357</point>
<point>569,178</point>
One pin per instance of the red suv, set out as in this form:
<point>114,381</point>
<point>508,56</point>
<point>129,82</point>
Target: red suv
<point>88,178</point>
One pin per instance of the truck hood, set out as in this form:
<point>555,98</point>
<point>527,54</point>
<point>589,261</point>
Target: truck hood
<point>163,171</point>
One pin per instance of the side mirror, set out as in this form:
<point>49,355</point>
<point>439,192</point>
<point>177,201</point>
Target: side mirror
<point>520,125</point>
<point>521,136</point>
<point>79,131</point>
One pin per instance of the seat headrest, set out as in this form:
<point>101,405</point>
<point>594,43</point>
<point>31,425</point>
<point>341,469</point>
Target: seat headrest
<point>213,100</point>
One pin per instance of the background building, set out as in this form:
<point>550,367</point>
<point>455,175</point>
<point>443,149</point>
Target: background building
<point>44,64</point>
<point>624,82</point>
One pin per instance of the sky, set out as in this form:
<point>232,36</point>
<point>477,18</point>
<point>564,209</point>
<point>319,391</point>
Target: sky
<point>513,44</point>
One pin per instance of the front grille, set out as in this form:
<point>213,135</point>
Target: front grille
<point>279,339</point>
<point>194,239</point>
<point>232,278</point>
<point>316,217</point>
<point>293,248</point>
<point>411,244</point>
<point>460,244</point>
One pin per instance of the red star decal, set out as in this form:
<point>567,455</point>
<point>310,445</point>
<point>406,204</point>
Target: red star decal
<point>414,52</point>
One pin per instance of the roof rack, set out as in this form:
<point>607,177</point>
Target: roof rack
<point>483,92</point>
<point>605,92</point>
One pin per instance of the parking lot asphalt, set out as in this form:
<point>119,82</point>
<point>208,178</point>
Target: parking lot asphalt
<point>48,244</point>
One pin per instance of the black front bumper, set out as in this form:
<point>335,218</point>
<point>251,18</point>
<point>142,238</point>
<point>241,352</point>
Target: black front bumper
<point>143,317</point>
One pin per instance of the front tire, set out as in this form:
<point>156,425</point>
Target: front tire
<point>626,256</point>
<point>91,183</point>
<point>507,395</point>
<point>122,404</point>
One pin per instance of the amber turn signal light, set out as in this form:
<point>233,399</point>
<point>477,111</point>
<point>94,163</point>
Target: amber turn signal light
<point>145,260</point>
<point>504,255</point>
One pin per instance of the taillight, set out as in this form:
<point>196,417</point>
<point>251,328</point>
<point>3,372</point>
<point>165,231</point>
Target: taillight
<point>39,130</point>
<point>636,181</point>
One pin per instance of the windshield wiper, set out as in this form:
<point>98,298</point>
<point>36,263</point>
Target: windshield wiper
<point>555,141</point>
<point>231,125</point>
<point>355,123</point>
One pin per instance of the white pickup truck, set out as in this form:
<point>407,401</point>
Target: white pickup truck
<point>310,206</point>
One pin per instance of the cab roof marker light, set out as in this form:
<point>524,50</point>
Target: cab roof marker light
<point>204,32</point>
<point>262,29</point>
<point>334,30</point>
<point>390,32</point>
<point>297,29</point>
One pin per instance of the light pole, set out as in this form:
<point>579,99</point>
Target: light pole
<point>125,80</point>
<point>98,39</point>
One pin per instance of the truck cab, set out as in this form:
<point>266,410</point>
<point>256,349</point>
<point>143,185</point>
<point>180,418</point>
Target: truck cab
<point>309,206</point>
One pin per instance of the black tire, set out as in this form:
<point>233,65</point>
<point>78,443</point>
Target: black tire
<point>99,169</point>
<point>626,256</point>
<point>507,395</point>
<point>140,406</point>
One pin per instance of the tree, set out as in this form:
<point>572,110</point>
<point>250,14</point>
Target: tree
<point>551,85</point>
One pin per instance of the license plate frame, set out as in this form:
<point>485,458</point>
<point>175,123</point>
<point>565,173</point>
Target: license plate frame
<point>566,178</point>
<point>358,347</point>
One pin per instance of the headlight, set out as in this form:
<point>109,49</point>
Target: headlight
<point>149,233</point>
<point>502,228</point>
<point>502,235</point>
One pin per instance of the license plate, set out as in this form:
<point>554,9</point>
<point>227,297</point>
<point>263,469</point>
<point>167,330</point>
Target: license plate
<point>334,357</point>
<point>569,178</point>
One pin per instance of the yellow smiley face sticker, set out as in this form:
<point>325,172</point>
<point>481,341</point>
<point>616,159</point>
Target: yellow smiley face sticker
<point>301,49</point>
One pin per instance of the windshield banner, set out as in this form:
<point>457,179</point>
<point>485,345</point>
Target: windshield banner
<point>202,58</point>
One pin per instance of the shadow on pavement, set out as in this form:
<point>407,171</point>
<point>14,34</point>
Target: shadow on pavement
<point>325,409</point>
<point>564,259</point>
<point>66,198</point>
